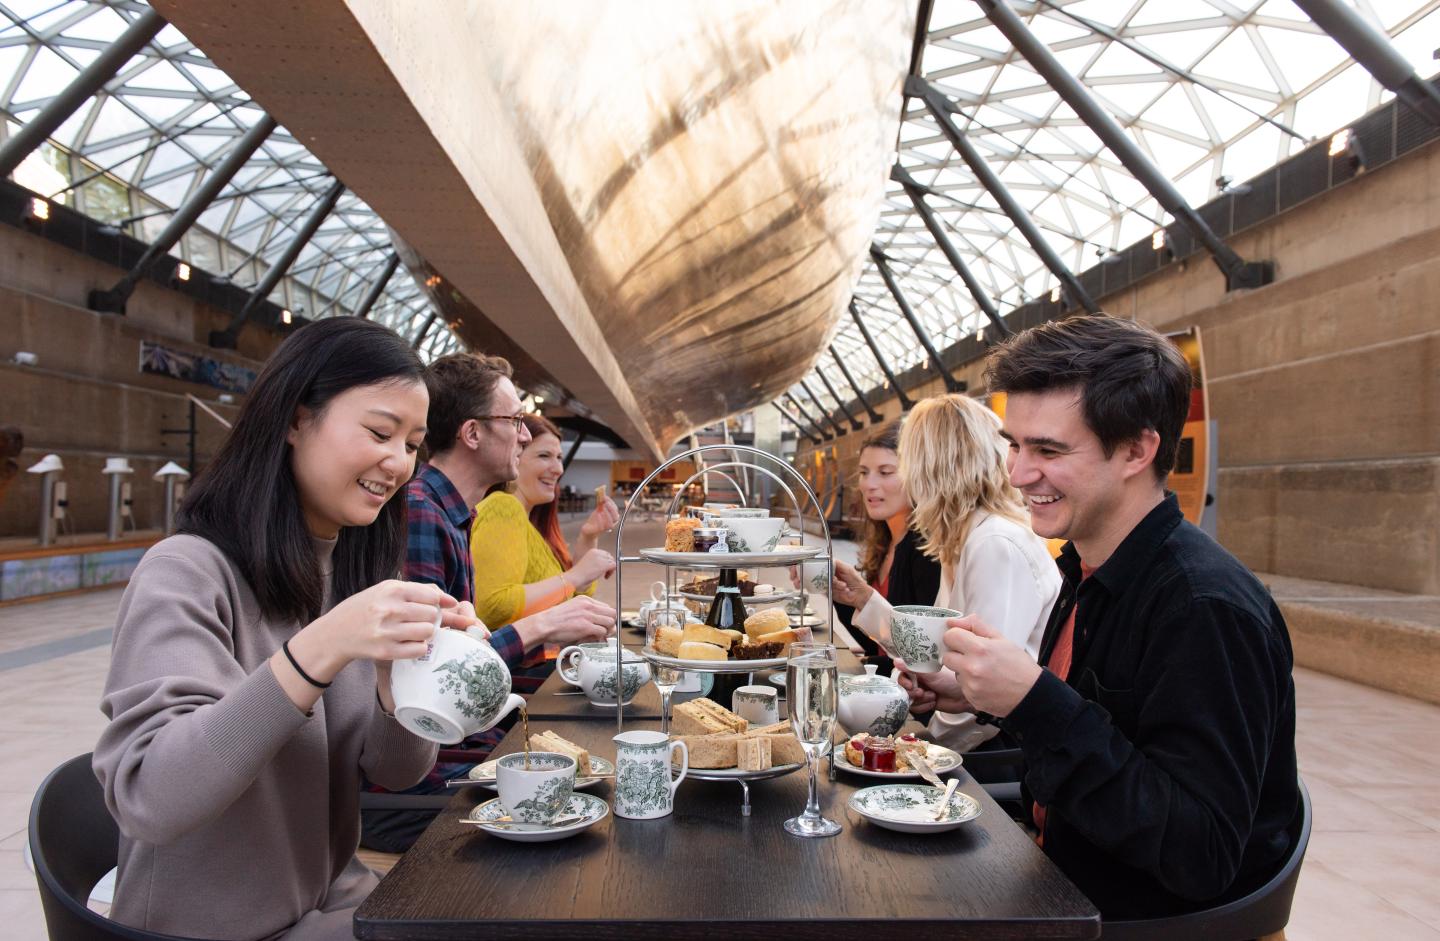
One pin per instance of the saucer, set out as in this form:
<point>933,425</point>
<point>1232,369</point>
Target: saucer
<point>910,808</point>
<point>484,774</point>
<point>593,808</point>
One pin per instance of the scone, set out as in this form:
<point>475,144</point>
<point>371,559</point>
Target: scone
<point>668,641</point>
<point>680,534</point>
<point>766,622</point>
<point>705,634</point>
<point>691,650</point>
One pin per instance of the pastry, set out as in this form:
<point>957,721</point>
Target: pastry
<point>705,717</point>
<point>736,637</point>
<point>668,641</point>
<point>766,622</point>
<point>705,634</point>
<point>680,535</point>
<point>691,650</point>
<point>786,637</point>
<point>549,741</point>
<point>756,651</point>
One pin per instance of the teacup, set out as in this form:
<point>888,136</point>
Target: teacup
<point>537,795</point>
<point>644,788</point>
<point>742,512</point>
<point>756,704</point>
<point>592,668</point>
<point>458,688</point>
<point>754,534</point>
<point>917,634</point>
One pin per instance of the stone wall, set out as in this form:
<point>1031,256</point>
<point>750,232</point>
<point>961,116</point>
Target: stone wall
<point>87,399</point>
<point>1325,384</point>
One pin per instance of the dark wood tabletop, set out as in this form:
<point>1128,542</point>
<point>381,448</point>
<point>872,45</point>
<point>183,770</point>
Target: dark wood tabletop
<point>708,872</point>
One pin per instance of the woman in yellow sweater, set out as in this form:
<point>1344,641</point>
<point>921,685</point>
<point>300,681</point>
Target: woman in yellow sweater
<point>522,563</point>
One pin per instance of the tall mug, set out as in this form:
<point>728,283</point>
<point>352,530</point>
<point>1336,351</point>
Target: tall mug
<point>644,786</point>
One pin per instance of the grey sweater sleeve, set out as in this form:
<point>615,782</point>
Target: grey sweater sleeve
<point>393,757</point>
<point>190,728</point>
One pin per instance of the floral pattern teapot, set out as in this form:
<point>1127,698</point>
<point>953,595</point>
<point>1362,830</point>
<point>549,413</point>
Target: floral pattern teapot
<point>458,688</point>
<point>872,703</point>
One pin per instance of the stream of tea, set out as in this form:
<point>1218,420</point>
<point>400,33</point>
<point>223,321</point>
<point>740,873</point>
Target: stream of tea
<point>525,734</point>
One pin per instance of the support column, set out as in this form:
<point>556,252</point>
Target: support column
<point>1238,273</point>
<point>378,288</point>
<point>942,240</point>
<point>810,393</point>
<point>855,424</point>
<point>574,449</point>
<point>803,412</point>
<point>80,90</point>
<point>226,338</point>
<point>906,403</point>
<point>940,108</point>
<point>1374,51</point>
<point>859,393</point>
<point>809,436</point>
<point>424,329</point>
<point>114,299</point>
<point>883,264</point>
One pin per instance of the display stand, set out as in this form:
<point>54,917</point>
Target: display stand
<point>717,561</point>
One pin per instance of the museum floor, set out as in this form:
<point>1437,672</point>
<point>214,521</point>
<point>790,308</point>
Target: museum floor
<point>1367,756</point>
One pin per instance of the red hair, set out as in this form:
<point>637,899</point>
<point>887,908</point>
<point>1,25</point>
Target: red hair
<point>545,517</point>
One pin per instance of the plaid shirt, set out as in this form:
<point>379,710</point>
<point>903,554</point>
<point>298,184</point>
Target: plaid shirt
<point>437,551</point>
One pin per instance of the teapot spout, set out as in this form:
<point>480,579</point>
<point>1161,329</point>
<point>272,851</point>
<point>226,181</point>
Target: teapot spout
<point>512,702</point>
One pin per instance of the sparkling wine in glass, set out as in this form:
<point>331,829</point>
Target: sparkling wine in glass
<point>665,678</point>
<point>811,675</point>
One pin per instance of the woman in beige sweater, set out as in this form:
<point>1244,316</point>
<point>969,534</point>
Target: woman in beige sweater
<point>249,681</point>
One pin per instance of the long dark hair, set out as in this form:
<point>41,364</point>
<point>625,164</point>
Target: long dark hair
<point>545,517</point>
<point>876,539</point>
<point>246,501</point>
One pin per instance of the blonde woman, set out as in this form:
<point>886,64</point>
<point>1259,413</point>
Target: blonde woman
<point>974,523</point>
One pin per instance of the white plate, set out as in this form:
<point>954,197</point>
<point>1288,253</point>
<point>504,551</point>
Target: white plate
<point>779,680</point>
<point>484,774</point>
<point>942,759</point>
<point>910,808</point>
<point>594,809</point>
<point>735,774</point>
<point>714,666</point>
<point>780,555</point>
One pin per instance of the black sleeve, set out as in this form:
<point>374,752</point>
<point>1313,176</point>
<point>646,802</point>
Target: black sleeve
<point>1179,800</point>
<point>914,578</point>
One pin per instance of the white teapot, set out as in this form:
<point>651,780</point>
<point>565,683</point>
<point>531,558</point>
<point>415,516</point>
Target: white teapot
<point>458,688</point>
<point>871,703</point>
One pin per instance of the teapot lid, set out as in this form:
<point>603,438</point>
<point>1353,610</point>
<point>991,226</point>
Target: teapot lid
<point>870,680</point>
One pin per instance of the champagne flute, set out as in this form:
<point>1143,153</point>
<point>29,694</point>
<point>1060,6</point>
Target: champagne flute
<point>811,674</point>
<point>665,678</point>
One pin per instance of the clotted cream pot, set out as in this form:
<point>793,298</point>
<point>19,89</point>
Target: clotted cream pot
<point>458,688</point>
<point>872,703</point>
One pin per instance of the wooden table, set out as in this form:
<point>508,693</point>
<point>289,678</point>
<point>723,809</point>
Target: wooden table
<point>707,872</point>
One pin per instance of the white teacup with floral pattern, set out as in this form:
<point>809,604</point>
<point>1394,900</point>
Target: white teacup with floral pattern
<point>917,633</point>
<point>592,668</point>
<point>754,535</point>
<point>756,705</point>
<point>644,788</point>
<point>538,794</point>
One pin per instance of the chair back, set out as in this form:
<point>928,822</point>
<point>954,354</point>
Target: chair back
<point>1264,911</point>
<point>74,842</point>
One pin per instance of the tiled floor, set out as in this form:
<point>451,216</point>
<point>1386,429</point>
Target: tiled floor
<point>1368,757</point>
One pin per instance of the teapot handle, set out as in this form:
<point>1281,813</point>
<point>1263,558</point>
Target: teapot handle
<point>569,672</point>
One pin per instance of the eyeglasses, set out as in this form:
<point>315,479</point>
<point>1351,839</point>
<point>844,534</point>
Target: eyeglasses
<point>516,420</point>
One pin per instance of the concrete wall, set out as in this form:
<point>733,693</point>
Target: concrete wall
<point>87,399</point>
<point>1325,384</point>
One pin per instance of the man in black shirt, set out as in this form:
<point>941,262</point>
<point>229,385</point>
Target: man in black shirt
<point>1158,727</point>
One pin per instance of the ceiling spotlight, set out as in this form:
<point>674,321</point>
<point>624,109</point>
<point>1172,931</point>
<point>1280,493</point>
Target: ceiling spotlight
<point>1340,142</point>
<point>1055,294</point>
<point>1157,241</point>
<point>286,316</point>
<point>39,209</point>
<point>182,272</point>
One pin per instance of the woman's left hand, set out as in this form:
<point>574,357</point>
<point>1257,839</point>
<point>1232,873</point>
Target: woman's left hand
<point>602,519</point>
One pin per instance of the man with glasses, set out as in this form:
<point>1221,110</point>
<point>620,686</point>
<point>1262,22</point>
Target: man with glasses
<point>475,436</point>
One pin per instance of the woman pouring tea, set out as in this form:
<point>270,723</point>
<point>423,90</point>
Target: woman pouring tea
<point>249,680</point>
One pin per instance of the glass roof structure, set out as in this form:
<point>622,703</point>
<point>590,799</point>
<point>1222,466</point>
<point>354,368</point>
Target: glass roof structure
<point>1213,91</point>
<point>131,154</point>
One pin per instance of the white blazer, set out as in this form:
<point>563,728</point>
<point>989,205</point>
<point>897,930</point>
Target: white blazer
<point>1006,576</point>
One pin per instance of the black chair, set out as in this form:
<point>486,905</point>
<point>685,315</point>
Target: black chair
<point>74,841</point>
<point>1264,911</point>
